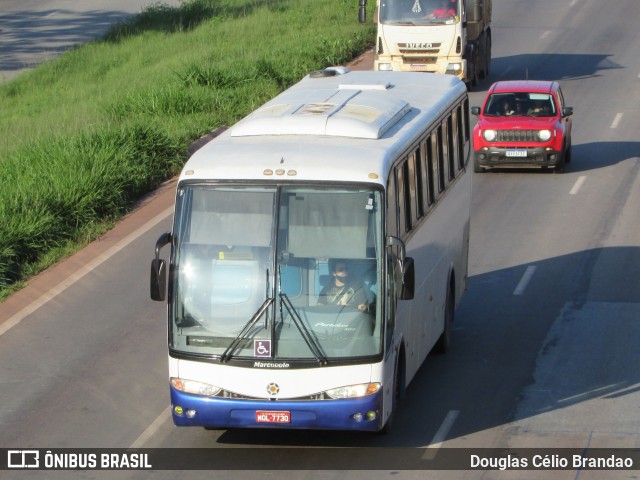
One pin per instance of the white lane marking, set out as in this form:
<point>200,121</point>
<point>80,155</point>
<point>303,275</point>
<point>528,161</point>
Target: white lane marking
<point>445,428</point>
<point>66,283</point>
<point>573,2</point>
<point>524,281</point>
<point>545,34</point>
<point>616,120</point>
<point>577,185</point>
<point>151,429</point>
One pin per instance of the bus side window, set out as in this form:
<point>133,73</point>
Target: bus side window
<point>432,167</point>
<point>419,180</point>
<point>460,137</point>
<point>467,123</point>
<point>404,212</point>
<point>411,178</point>
<point>423,172</point>
<point>443,157</point>
<point>453,151</point>
<point>392,206</point>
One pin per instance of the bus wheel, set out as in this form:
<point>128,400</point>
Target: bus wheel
<point>444,342</point>
<point>398,380</point>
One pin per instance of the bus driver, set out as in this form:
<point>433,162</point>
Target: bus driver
<point>343,290</point>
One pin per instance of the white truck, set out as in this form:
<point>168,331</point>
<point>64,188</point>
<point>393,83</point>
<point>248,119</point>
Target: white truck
<point>437,36</point>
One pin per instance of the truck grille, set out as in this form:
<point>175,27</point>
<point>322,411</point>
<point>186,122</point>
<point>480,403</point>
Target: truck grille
<point>418,53</point>
<point>419,49</point>
<point>420,60</point>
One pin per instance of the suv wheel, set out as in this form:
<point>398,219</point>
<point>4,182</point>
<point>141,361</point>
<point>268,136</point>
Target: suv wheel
<point>561,164</point>
<point>476,166</point>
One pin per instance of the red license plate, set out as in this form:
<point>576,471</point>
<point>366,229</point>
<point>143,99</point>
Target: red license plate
<point>263,416</point>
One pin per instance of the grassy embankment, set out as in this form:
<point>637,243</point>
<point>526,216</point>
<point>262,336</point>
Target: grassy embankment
<point>87,134</point>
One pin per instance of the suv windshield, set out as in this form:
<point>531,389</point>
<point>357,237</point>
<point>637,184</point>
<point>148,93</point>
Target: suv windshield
<point>276,272</point>
<point>418,12</point>
<point>520,103</point>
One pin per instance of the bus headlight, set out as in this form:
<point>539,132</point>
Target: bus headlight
<point>196,388</point>
<point>544,135</point>
<point>354,391</point>
<point>489,135</point>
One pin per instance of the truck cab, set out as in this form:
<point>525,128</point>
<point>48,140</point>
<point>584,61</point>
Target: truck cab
<point>435,36</point>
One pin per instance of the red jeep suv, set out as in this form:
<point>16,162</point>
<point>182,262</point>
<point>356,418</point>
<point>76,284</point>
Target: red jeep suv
<point>523,123</point>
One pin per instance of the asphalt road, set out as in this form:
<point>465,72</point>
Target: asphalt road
<point>34,31</point>
<point>545,347</point>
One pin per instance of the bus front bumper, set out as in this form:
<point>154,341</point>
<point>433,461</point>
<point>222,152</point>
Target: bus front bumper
<point>345,414</point>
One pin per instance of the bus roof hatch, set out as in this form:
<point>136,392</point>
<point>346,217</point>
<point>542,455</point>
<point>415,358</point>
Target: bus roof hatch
<point>357,111</point>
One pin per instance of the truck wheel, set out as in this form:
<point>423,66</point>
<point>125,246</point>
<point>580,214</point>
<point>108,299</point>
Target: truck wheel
<point>474,75</point>
<point>487,59</point>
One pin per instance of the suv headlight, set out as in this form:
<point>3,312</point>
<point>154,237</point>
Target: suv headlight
<point>489,135</point>
<point>544,135</point>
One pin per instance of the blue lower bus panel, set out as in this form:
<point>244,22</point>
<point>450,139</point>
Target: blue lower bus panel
<point>344,414</point>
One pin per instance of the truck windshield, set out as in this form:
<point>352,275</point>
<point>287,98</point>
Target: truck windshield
<point>276,272</point>
<point>418,12</point>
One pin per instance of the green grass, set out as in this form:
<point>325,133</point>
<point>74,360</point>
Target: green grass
<point>86,135</point>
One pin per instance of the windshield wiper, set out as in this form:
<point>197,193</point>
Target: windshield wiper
<point>228,353</point>
<point>304,331</point>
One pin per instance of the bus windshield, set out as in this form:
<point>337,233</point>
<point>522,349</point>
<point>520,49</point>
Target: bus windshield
<point>277,272</point>
<point>418,12</point>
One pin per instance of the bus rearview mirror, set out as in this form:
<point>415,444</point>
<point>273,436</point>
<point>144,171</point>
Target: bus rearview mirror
<point>158,277</point>
<point>158,285</point>
<point>408,279</point>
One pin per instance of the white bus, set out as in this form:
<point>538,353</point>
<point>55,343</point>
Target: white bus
<point>318,251</point>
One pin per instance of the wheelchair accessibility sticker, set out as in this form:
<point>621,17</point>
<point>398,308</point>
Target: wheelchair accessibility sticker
<point>262,348</point>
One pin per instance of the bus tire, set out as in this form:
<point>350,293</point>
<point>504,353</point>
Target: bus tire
<point>443,345</point>
<point>398,393</point>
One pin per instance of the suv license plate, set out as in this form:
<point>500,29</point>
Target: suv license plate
<point>263,416</point>
<point>516,153</point>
